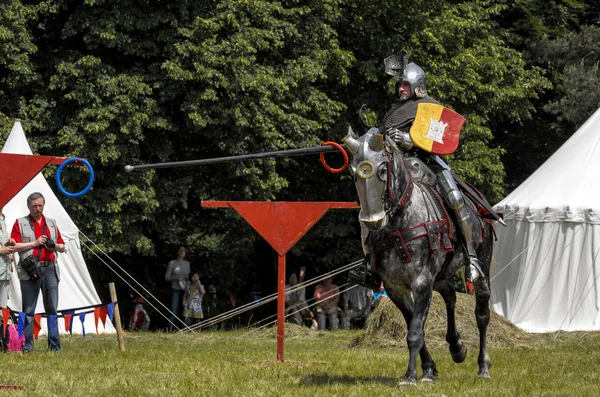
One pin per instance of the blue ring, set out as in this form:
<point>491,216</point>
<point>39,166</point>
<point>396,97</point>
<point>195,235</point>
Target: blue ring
<point>69,161</point>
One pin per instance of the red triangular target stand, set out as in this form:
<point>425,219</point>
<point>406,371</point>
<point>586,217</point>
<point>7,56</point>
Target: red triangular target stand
<point>282,224</point>
<point>17,170</point>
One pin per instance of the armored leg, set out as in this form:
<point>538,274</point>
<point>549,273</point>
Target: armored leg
<point>362,274</point>
<point>455,200</point>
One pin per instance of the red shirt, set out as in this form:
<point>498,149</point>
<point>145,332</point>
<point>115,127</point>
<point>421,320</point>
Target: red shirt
<point>46,254</point>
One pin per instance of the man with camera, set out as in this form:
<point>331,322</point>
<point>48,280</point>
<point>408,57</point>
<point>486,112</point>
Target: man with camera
<point>37,240</point>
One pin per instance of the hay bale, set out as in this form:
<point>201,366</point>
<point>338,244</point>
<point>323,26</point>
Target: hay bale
<point>386,327</point>
<point>292,331</point>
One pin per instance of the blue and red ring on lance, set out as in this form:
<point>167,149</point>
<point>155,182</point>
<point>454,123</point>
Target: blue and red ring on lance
<point>90,182</point>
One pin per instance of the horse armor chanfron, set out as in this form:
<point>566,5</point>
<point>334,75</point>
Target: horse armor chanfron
<point>410,246</point>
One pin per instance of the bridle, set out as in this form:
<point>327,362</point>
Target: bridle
<point>391,203</point>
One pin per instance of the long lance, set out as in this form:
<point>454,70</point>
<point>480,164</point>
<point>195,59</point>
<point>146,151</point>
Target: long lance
<point>230,159</point>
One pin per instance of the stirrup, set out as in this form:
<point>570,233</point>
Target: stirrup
<point>362,276</point>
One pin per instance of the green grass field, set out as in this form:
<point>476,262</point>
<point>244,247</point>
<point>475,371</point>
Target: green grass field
<point>323,364</point>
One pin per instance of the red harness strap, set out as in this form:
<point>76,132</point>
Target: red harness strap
<point>434,231</point>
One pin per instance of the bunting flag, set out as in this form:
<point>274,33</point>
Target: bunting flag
<point>82,319</point>
<point>21,323</point>
<point>100,313</point>
<point>68,316</point>
<point>96,317</point>
<point>37,325</point>
<point>51,324</point>
<point>103,314</point>
<point>111,311</point>
<point>5,318</point>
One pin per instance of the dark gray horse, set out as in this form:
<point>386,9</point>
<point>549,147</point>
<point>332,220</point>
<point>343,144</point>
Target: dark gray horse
<point>412,246</point>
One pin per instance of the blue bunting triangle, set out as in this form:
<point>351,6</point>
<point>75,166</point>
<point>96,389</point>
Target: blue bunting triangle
<point>82,319</point>
<point>111,311</point>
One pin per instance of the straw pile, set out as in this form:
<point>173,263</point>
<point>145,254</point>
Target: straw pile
<point>386,327</point>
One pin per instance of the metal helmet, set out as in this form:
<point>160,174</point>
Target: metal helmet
<point>415,77</point>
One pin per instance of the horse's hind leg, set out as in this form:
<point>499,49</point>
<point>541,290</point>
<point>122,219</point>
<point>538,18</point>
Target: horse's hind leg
<point>458,350</point>
<point>482,314</point>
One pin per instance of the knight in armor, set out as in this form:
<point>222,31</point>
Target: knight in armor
<point>411,90</point>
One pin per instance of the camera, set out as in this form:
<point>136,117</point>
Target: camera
<point>50,244</point>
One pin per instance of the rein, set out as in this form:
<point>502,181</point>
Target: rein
<point>404,200</point>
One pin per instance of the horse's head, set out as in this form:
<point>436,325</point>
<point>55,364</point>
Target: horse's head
<point>371,166</point>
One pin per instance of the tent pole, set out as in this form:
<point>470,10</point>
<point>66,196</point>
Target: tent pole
<point>113,298</point>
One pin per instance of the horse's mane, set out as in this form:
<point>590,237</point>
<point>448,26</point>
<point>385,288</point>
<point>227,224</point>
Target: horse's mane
<point>419,171</point>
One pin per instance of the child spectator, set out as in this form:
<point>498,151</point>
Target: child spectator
<point>139,319</point>
<point>192,300</point>
<point>378,296</point>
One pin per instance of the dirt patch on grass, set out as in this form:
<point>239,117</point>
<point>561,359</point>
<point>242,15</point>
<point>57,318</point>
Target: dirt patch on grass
<point>386,327</point>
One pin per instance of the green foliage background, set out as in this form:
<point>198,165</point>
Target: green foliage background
<point>138,81</point>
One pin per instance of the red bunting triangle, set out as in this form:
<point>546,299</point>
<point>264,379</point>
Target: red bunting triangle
<point>5,317</point>
<point>37,325</point>
<point>96,316</point>
<point>103,314</point>
<point>67,317</point>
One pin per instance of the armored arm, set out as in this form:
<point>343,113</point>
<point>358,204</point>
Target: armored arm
<point>401,138</point>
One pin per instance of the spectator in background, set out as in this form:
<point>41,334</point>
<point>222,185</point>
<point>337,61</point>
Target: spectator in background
<point>295,301</point>
<point>36,235</point>
<point>178,271</point>
<point>357,305</point>
<point>139,319</point>
<point>6,252</point>
<point>212,305</point>
<point>327,295</point>
<point>192,300</point>
<point>379,296</point>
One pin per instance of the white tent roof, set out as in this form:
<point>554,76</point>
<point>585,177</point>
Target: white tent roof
<point>546,270</point>
<point>75,288</point>
<point>565,187</point>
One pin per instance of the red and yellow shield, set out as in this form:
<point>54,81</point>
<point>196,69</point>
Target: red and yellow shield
<point>436,129</point>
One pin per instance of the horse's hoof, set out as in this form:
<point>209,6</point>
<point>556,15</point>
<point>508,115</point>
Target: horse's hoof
<point>427,381</point>
<point>484,374</point>
<point>459,356</point>
<point>408,382</point>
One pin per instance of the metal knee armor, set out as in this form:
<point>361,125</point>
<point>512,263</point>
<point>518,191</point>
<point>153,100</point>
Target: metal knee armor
<point>456,201</point>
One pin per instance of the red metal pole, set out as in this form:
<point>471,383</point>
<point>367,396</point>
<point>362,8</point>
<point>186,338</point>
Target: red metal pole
<point>280,307</point>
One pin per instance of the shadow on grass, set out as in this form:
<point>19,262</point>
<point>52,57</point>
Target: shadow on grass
<point>321,379</point>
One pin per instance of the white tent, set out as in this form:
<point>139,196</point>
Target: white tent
<point>546,274</point>
<point>76,289</point>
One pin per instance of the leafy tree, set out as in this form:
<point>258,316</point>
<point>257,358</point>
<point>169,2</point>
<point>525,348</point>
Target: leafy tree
<point>138,82</point>
<point>544,30</point>
<point>470,68</point>
<point>17,72</point>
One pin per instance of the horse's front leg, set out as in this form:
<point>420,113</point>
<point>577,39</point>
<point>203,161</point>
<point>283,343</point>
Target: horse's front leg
<point>482,314</point>
<point>415,338</point>
<point>405,304</point>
